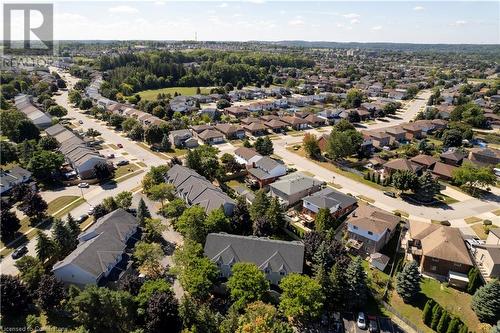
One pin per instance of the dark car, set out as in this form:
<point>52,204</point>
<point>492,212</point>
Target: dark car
<point>19,252</point>
<point>373,326</point>
<point>390,194</point>
<point>82,218</point>
<point>122,162</point>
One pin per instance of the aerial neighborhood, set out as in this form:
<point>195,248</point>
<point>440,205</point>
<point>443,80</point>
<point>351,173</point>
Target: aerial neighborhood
<point>251,187</point>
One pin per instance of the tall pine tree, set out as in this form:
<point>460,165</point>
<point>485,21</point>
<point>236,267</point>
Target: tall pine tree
<point>486,302</point>
<point>357,290</point>
<point>142,212</point>
<point>408,282</point>
<point>427,313</point>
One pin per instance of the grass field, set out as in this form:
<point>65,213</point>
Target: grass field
<point>480,230</point>
<point>187,91</point>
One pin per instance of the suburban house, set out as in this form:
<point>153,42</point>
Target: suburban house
<point>443,171</point>
<point>371,227</point>
<point>291,188</point>
<point>82,158</point>
<point>256,128</point>
<point>337,203</point>
<point>40,119</point>
<point>413,131</point>
<point>275,258</point>
<point>425,161</point>
<point>276,125</point>
<point>484,156</point>
<point>246,156</point>
<point>231,131</point>
<point>379,139</point>
<point>237,112</point>
<point>397,133</point>
<point>100,249</point>
<point>314,120</point>
<point>296,123</point>
<point>487,255</point>
<point>452,157</point>
<point>266,170</point>
<point>183,138</point>
<point>13,177</point>
<point>197,190</point>
<point>440,250</point>
<point>401,164</point>
<point>211,137</point>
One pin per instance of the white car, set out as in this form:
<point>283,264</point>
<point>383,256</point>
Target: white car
<point>83,185</point>
<point>361,322</point>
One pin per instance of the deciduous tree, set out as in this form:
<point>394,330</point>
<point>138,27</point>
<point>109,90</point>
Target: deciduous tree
<point>246,284</point>
<point>301,299</point>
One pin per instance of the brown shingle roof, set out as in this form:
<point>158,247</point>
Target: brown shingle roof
<point>424,160</point>
<point>402,164</point>
<point>442,169</point>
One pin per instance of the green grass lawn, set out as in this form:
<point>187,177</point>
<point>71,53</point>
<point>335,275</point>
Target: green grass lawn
<point>187,91</point>
<point>472,219</point>
<point>125,169</point>
<point>480,230</point>
<point>456,302</point>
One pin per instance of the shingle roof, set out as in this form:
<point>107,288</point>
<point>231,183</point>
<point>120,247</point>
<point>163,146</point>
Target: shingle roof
<point>373,219</point>
<point>265,253</point>
<point>440,242</point>
<point>267,164</point>
<point>443,169</point>
<point>329,198</point>
<point>102,244</point>
<point>295,182</point>
<point>246,153</point>
<point>196,189</point>
<point>424,160</point>
<point>210,134</point>
<point>402,164</point>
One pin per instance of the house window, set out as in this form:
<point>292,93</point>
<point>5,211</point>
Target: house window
<point>282,273</point>
<point>435,260</point>
<point>370,233</point>
<point>267,271</point>
<point>433,268</point>
<point>354,227</point>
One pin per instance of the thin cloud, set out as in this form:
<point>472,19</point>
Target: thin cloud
<point>222,5</point>
<point>296,22</point>
<point>459,23</point>
<point>354,21</point>
<point>123,9</point>
<point>351,16</point>
<point>418,8</point>
<point>159,3</point>
<point>377,28</point>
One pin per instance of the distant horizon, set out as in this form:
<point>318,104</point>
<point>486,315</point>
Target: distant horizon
<point>408,22</point>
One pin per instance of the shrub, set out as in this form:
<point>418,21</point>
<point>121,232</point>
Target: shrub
<point>487,222</point>
<point>443,322</point>
<point>427,313</point>
<point>437,310</point>
<point>445,223</point>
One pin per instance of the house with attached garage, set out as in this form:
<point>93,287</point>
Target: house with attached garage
<point>183,138</point>
<point>231,131</point>
<point>275,258</point>
<point>83,159</point>
<point>101,248</point>
<point>195,189</point>
<point>441,252</point>
<point>211,137</point>
<point>24,104</point>
<point>487,255</point>
<point>290,189</point>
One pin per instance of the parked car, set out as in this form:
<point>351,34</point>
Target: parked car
<point>119,145</point>
<point>372,325</point>
<point>361,322</point>
<point>82,218</point>
<point>111,156</point>
<point>122,162</point>
<point>390,194</point>
<point>91,211</point>
<point>83,185</point>
<point>19,252</point>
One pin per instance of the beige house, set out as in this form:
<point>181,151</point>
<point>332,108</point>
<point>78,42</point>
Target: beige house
<point>487,255</point>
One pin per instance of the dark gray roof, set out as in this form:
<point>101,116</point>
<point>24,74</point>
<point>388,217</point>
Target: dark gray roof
<point>197,190</point>
<point>13,175</point>
<point>266,164</point>
<point>328,198</point>
<point>264,252</point>
<point>295,182</point>
<point>102,244</point>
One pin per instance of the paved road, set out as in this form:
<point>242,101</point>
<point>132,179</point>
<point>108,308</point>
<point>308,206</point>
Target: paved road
<point>96,193</point>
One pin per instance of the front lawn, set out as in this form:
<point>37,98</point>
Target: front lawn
<point>125,169</point>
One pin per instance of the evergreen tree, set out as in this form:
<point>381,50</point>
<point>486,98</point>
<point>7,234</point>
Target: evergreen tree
<point>62,239</point>
<point>44,247</point>
<point>336,295</point>
<point>428,187</point>
<point>453,326</point>
<point>463,329</point>
<point>275,215</point>
<point>142,212</point>
<point>408,282</point>
<point>437,310</point>
<point>73,230</point>
<point>486,302</point>
<point>427,313</point>
<point>323,220</point>
<point>443,322</point>
<point>259,205</point>
<point>474,281</point>
<point>165,143</point>
<point>357,290</point>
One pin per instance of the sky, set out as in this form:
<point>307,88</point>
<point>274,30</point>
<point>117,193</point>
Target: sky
<point>354,21</point>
